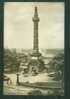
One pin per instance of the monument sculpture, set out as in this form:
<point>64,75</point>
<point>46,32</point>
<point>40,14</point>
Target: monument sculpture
<point>36,63</point>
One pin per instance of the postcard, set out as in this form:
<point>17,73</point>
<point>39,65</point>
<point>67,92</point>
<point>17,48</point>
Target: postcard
<point>33,48</point>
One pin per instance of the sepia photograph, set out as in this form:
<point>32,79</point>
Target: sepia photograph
<point>33,48</point>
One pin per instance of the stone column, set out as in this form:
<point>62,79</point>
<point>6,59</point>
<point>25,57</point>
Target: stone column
<point>35,41</point>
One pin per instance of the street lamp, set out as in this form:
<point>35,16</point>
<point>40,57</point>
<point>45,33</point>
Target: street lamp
<point>17,64</point>
<point>17,79</point>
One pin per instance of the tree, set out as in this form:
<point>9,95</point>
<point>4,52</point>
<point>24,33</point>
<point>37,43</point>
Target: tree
<point>12,60</point>
<point>57,65</point>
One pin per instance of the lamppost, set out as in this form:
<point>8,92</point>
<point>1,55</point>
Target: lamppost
<point>17,64</point>
<point>17,82</point>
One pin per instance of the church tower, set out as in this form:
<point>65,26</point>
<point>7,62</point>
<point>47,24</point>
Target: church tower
<point>36,63</point>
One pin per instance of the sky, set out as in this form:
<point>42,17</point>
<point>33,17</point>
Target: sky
<point>18,25</point>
